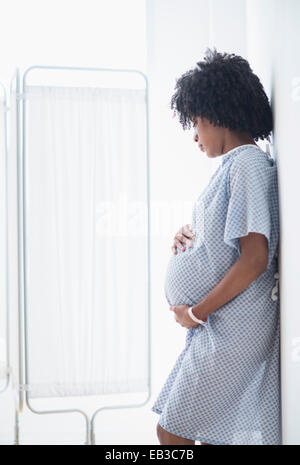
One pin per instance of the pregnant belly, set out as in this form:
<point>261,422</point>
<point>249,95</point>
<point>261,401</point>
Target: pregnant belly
<point>187,280</point>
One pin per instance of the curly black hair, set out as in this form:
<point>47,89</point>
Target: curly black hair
<point>223,89</point>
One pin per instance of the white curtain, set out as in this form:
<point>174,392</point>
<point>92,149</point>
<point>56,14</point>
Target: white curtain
<point>86,241</point>
<point>3,225</point>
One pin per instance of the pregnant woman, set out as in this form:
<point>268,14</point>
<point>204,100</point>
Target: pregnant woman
<point>222,279</point>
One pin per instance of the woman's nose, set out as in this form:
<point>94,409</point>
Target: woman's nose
<point>195,135</point>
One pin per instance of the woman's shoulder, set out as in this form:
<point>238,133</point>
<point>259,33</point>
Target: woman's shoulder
<point>252,158</point>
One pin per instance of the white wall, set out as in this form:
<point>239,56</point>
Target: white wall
<point>286,90</point>
<point>100,33</point>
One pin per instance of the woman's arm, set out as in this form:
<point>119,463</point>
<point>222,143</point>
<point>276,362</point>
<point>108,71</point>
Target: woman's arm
<point>251,263</point>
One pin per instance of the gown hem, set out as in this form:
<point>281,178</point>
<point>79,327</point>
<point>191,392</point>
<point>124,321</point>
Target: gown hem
<point>193,438</point>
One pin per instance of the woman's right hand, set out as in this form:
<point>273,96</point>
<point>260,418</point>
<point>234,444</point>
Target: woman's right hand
<point>183,236</point>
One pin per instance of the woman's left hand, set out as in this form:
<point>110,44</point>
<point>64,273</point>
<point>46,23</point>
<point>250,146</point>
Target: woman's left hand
<point>182,317</point>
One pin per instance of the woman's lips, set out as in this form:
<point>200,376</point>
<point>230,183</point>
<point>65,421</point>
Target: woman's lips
<point>201,147</point>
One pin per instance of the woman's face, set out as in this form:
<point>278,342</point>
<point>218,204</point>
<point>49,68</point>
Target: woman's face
<point>210,138</point>
<point>217,140</point>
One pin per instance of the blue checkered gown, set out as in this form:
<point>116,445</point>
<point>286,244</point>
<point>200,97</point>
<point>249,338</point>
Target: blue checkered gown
<point>224,387</point>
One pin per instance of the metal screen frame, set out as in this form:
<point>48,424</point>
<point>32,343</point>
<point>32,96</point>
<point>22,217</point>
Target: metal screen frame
<point>7,377</point>
<point>23,334</point>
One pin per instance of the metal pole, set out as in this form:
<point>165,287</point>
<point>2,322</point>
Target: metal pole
<point>6,240</point>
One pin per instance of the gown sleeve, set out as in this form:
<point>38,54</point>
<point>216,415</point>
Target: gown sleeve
<point>253,202</point>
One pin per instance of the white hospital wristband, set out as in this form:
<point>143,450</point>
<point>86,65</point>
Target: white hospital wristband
<point>194,318</point>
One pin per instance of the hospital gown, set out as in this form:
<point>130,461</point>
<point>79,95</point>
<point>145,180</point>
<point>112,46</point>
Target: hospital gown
<point>224,387</point>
